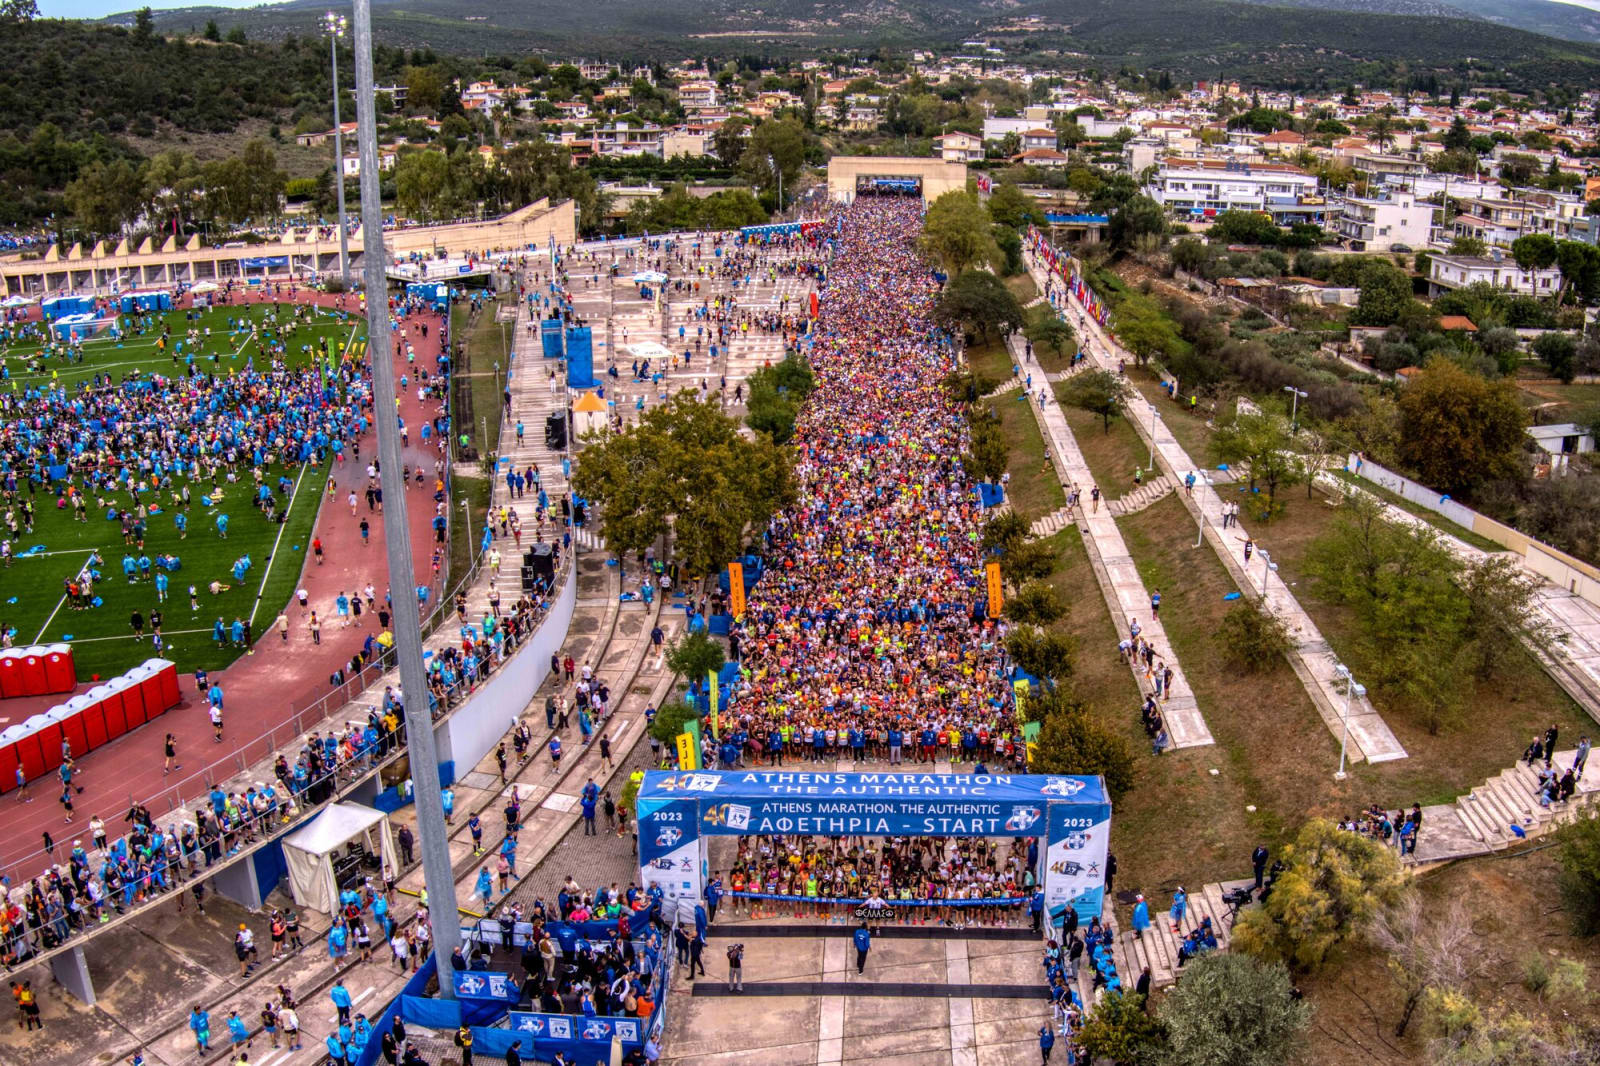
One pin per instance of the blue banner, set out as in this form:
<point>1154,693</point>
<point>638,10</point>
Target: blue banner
<point>481,984</point>
<point>669,845</point>
<point>888,804</point>
<point>576,1027</point>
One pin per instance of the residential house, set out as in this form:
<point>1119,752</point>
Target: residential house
<point>692,94</point>
<point>1379,223</point>
<point>1209,186</point>
<point>1449,272</point>
<point>958,147</point>
<point>1038,138</point>
<point>1041,157</point>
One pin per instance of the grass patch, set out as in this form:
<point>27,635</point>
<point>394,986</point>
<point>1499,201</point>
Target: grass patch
<point>1034,488</point>
<point>474,492</point>
<point>992,360</point>
<point>1100,679</point>
<point>1113,456</point>
<point>1022,287</point>
<point>1555,401</point>
<point>1188,428</point>
<point>1190,826</point>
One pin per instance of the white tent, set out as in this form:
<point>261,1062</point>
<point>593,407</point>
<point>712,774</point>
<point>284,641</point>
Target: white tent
<point>312,851</point>
<point>205,287</point>
<point>17,301</point>
<point>650,277</point>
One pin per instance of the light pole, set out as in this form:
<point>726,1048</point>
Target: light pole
<point>1294,407</point>
<point>335,25</point>
<point>1352,689</point>
<point>1155,418</point>
<point>431,831</point>
<point>466,510</point>
<point>773,163</point>
<point>1267,567</point>
<point>1200,511</point>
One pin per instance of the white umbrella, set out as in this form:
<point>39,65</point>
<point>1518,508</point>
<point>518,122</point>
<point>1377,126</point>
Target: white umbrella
<point>205,287</point>
<point>16,301</point>
<point>650,277</point>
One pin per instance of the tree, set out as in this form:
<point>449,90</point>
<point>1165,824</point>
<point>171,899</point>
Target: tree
<point>1458,137</point>
<point>695,655</point>
<point>1385,294</point>
<point>1072,742</point>
<point>1536,251</point>
<point>1579,264</point>
<point>777,147</point>
<point>1047,331</point>
<point>684,471</point>
<point>671,719</point>
<point>1036,603</point>
<point>1232,1010</point>
<point>105,196</point>
<point>1336,884</point>
<point>1580,871</point>
<point>212,33</point>
<point>1146,332</point>
<point>775,396</point>
<point>1253,638</point>
<point>1458,431</point>
<point>1100,392</point>
<point>728,141</point>
<point>1472,247</point>
<point>424,89</point>
<point>1040,652</point>
<point>1262,444</point>
<point>1424,954</point>
<point>236,35</point>
<point>421,182</point>
<point>979,301</point>
<point>264,179</point>
<point>1120,1029</point>
<point>1560,353</point>
<point>143,24</point>
<point>1139,216</point>
<point>955,232</point>
<point>1010,206</point>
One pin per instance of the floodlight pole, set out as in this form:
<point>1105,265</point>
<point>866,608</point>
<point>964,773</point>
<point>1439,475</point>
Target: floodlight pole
<point>336,26</point>
<point>424,755</point>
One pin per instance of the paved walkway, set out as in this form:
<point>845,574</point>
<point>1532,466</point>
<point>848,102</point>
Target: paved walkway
<point>1125,593</point>
<point>1313,660</point>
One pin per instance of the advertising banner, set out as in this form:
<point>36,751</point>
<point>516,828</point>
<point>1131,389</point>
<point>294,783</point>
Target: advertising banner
<point>736,589</point>
<point>669,846</point>
<point>571,1027</point>
<point>481,984</point>
<point>996,599</point>
<point>1075,859</point>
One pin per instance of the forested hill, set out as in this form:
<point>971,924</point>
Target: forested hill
<point>74,93</point>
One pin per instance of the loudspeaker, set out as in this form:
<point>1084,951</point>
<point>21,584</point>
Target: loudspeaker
<point>555,431</point>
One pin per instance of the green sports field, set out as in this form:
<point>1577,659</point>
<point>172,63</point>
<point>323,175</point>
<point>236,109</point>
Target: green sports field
<point>32,601</point>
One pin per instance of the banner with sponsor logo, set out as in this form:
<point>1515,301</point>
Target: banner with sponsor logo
<point>1075,859</point>
<point>736,589</point>
<point>996,589</point>
<point>481,984</point>
<point>669,846</point>
<point>543,1027</point>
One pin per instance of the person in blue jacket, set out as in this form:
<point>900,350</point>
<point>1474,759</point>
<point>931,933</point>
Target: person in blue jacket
<point>1047,1040</point>
<point>713,895</point>
<point>863,942</point>
<point>237,1030</point>
<point>341,1000</point>
<point>485,887</point>
<point>336,1053</point>
<point>1141,918</point>
<point>200,1025</point>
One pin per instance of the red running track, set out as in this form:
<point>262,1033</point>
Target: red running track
<point>263,691</point>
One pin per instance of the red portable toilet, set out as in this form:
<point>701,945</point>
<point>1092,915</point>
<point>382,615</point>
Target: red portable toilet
<point>93,717</point>
<point>48,734</point>
<point>71,722</point>
<point>8,766</point>
<point>10,673</point>
<point>25,749</point>
<point>33,683</point>
<point>132,697</point>
<point>110,704</point>
<point>168,673</point>
<point>147,679</point>
<point>60,673</point>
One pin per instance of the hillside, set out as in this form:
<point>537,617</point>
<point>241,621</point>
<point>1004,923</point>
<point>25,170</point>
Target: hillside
<point>1566,21</point>
<point>1301,46</point>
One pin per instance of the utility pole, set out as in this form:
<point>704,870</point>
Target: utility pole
<point>336,26</point>
<point>436,872</point>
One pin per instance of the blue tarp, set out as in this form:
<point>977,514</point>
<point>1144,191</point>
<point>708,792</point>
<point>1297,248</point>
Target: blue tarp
<point>990,495</point>
<point>550,337</point>
<point>580,358</point>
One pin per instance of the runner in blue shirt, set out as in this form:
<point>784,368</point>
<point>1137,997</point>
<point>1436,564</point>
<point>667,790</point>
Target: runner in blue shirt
<point>863,942</point>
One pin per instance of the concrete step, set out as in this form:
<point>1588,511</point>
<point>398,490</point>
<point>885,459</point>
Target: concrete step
<point>1487,815</point>
<point>1524,807</point>
<point>1478,821</point>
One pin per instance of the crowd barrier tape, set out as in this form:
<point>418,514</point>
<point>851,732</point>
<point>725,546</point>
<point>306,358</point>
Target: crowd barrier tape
<point>1003,901</point>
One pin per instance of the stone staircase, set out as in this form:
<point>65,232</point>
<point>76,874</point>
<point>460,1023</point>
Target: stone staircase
<point>1510,799</point>
<point>1052,523</point>
<point>1010,385</point>
<point>1158,948</point>
<point>1141,497</point>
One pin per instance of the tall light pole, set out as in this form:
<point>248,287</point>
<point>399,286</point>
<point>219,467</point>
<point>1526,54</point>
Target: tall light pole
<point>1294,407</point>
<point>1155,419</point>
<point>1352,689</point>
<point>435,840</point>
<point>1267,567</point>
<point>335,25</point>
<point>1200,511</point>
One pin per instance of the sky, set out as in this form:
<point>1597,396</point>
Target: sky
<point>93,9</point>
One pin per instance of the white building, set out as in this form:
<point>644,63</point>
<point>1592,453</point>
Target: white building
<point>995,129</point>
<point>1200,186</point>
<point>1447,272</point>
<point>958,147</point>
<point>1378,223</point>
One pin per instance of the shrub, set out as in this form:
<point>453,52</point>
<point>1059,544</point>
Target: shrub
<point>1254,639</point>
